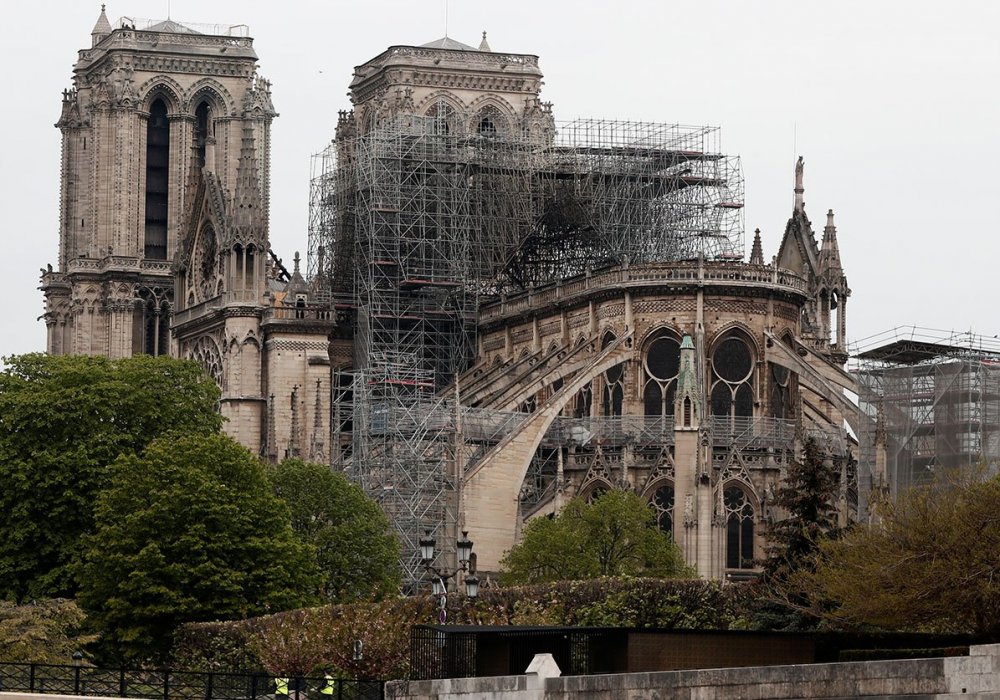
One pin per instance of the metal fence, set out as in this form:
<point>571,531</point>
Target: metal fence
<point>176,685</point>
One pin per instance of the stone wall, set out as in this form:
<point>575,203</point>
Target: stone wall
<point>976,675</point>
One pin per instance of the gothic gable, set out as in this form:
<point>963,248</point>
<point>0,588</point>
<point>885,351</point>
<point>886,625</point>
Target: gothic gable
<point>798,251</point>
<point>201,260</point>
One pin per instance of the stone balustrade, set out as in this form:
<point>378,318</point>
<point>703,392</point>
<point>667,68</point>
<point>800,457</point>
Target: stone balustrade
<point>709,274</point>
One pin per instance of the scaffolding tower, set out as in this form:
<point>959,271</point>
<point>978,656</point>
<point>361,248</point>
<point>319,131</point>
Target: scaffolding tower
<point>935,396</point>
<point>414,225</point>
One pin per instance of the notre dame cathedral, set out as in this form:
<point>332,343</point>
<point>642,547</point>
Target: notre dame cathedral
<point>500,311</point>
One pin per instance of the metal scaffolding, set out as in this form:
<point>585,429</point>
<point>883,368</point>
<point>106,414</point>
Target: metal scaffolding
<point>414,225</point>
<point>936,397</point>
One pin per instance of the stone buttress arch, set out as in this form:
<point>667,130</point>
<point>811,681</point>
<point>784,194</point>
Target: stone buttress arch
<point>492,487</point>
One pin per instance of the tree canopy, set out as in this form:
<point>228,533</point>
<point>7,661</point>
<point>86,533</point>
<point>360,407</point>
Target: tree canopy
<point>43,632</point>
<point>928,564</point>
<point>357,552</point>
<point>615,535</point>
<point>63,420</point>
<point>189,530</point>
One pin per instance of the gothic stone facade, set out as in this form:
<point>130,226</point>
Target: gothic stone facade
<point>163,230</point>
<point>691,383</point>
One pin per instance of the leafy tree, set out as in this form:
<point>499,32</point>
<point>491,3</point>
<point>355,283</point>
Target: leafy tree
<point>189,530</point>
<point>63,420</point>
<point>929,564</point>
<point>357,552</point>
<point>806,496</point>
<point>47,632</point>
<point>615,535</point>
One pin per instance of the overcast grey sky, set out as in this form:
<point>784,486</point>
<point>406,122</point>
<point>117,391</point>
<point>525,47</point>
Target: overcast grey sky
<point>895,105</point>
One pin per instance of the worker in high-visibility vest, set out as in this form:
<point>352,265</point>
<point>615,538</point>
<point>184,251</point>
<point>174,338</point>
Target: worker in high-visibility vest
<point>328,685</point>
<point>281,688</point>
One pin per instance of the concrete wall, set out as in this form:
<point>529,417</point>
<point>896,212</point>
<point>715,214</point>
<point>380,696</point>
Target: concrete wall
<point>976,675</point>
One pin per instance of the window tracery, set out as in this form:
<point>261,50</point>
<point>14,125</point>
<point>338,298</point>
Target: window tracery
<point>445,117</point>
<point>739,514</point>
<point>490,122</point>
<point>661,366</point>
<point>206,353</point>
<point>732,379</point>
<point>663,504</point>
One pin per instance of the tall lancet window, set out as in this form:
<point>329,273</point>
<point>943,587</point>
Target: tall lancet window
<point>201,133</point>
<point>157,181</point>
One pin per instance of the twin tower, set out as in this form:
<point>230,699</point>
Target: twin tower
<point>163,228</point>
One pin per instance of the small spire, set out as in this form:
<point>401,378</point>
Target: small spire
<point>829,256</point>
<point>799,188</point>
<point>757,251</point>
<point>248,218</point>
<point>483,45</point>
<point>101,29</point>
<point>296,284</point>
<point>687,407</point>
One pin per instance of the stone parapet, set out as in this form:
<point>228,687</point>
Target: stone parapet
<point>711,275</point>
<point>973,676</point>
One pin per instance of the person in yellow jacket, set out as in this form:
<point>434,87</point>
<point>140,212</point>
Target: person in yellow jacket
<point>280,689</point>
<point>328,685</point>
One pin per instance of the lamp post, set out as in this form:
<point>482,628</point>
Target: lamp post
<point>440,577</point>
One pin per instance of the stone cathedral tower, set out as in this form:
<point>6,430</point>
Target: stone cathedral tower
<point>163,231</point>
<point>151,109</point>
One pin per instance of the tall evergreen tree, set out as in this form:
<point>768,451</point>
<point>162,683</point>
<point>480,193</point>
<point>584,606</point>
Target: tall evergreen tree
<point>806,498</point>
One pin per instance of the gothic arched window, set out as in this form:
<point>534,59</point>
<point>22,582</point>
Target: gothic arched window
<point>614,383</point>
<point>157,181</point>
<point>490,122</point>
<point>663,504</point>
<point>732,379</point>
<point>155,321</point>
<point>661,365</point>
<point>739,528</point>
<point>445,119</point>
<point>202,125</point>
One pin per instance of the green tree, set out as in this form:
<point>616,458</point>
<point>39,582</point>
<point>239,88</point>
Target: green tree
<point>188,531</point>
<point>806,499</point>
<point>615,535</point>
<point>928,564</point>
<point>63,420</point>
<point>357,552</point>
<point>46,632</point>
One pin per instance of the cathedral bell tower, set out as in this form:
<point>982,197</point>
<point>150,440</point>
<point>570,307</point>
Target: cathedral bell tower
<point>157,109</point>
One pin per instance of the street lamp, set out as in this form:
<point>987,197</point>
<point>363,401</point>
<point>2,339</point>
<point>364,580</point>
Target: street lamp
<point>440,577</point>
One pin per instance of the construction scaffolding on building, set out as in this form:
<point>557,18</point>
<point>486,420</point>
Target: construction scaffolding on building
<point>414,225</point>
<point>933,397</point>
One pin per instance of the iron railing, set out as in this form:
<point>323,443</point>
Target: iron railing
<point>175,685</point>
